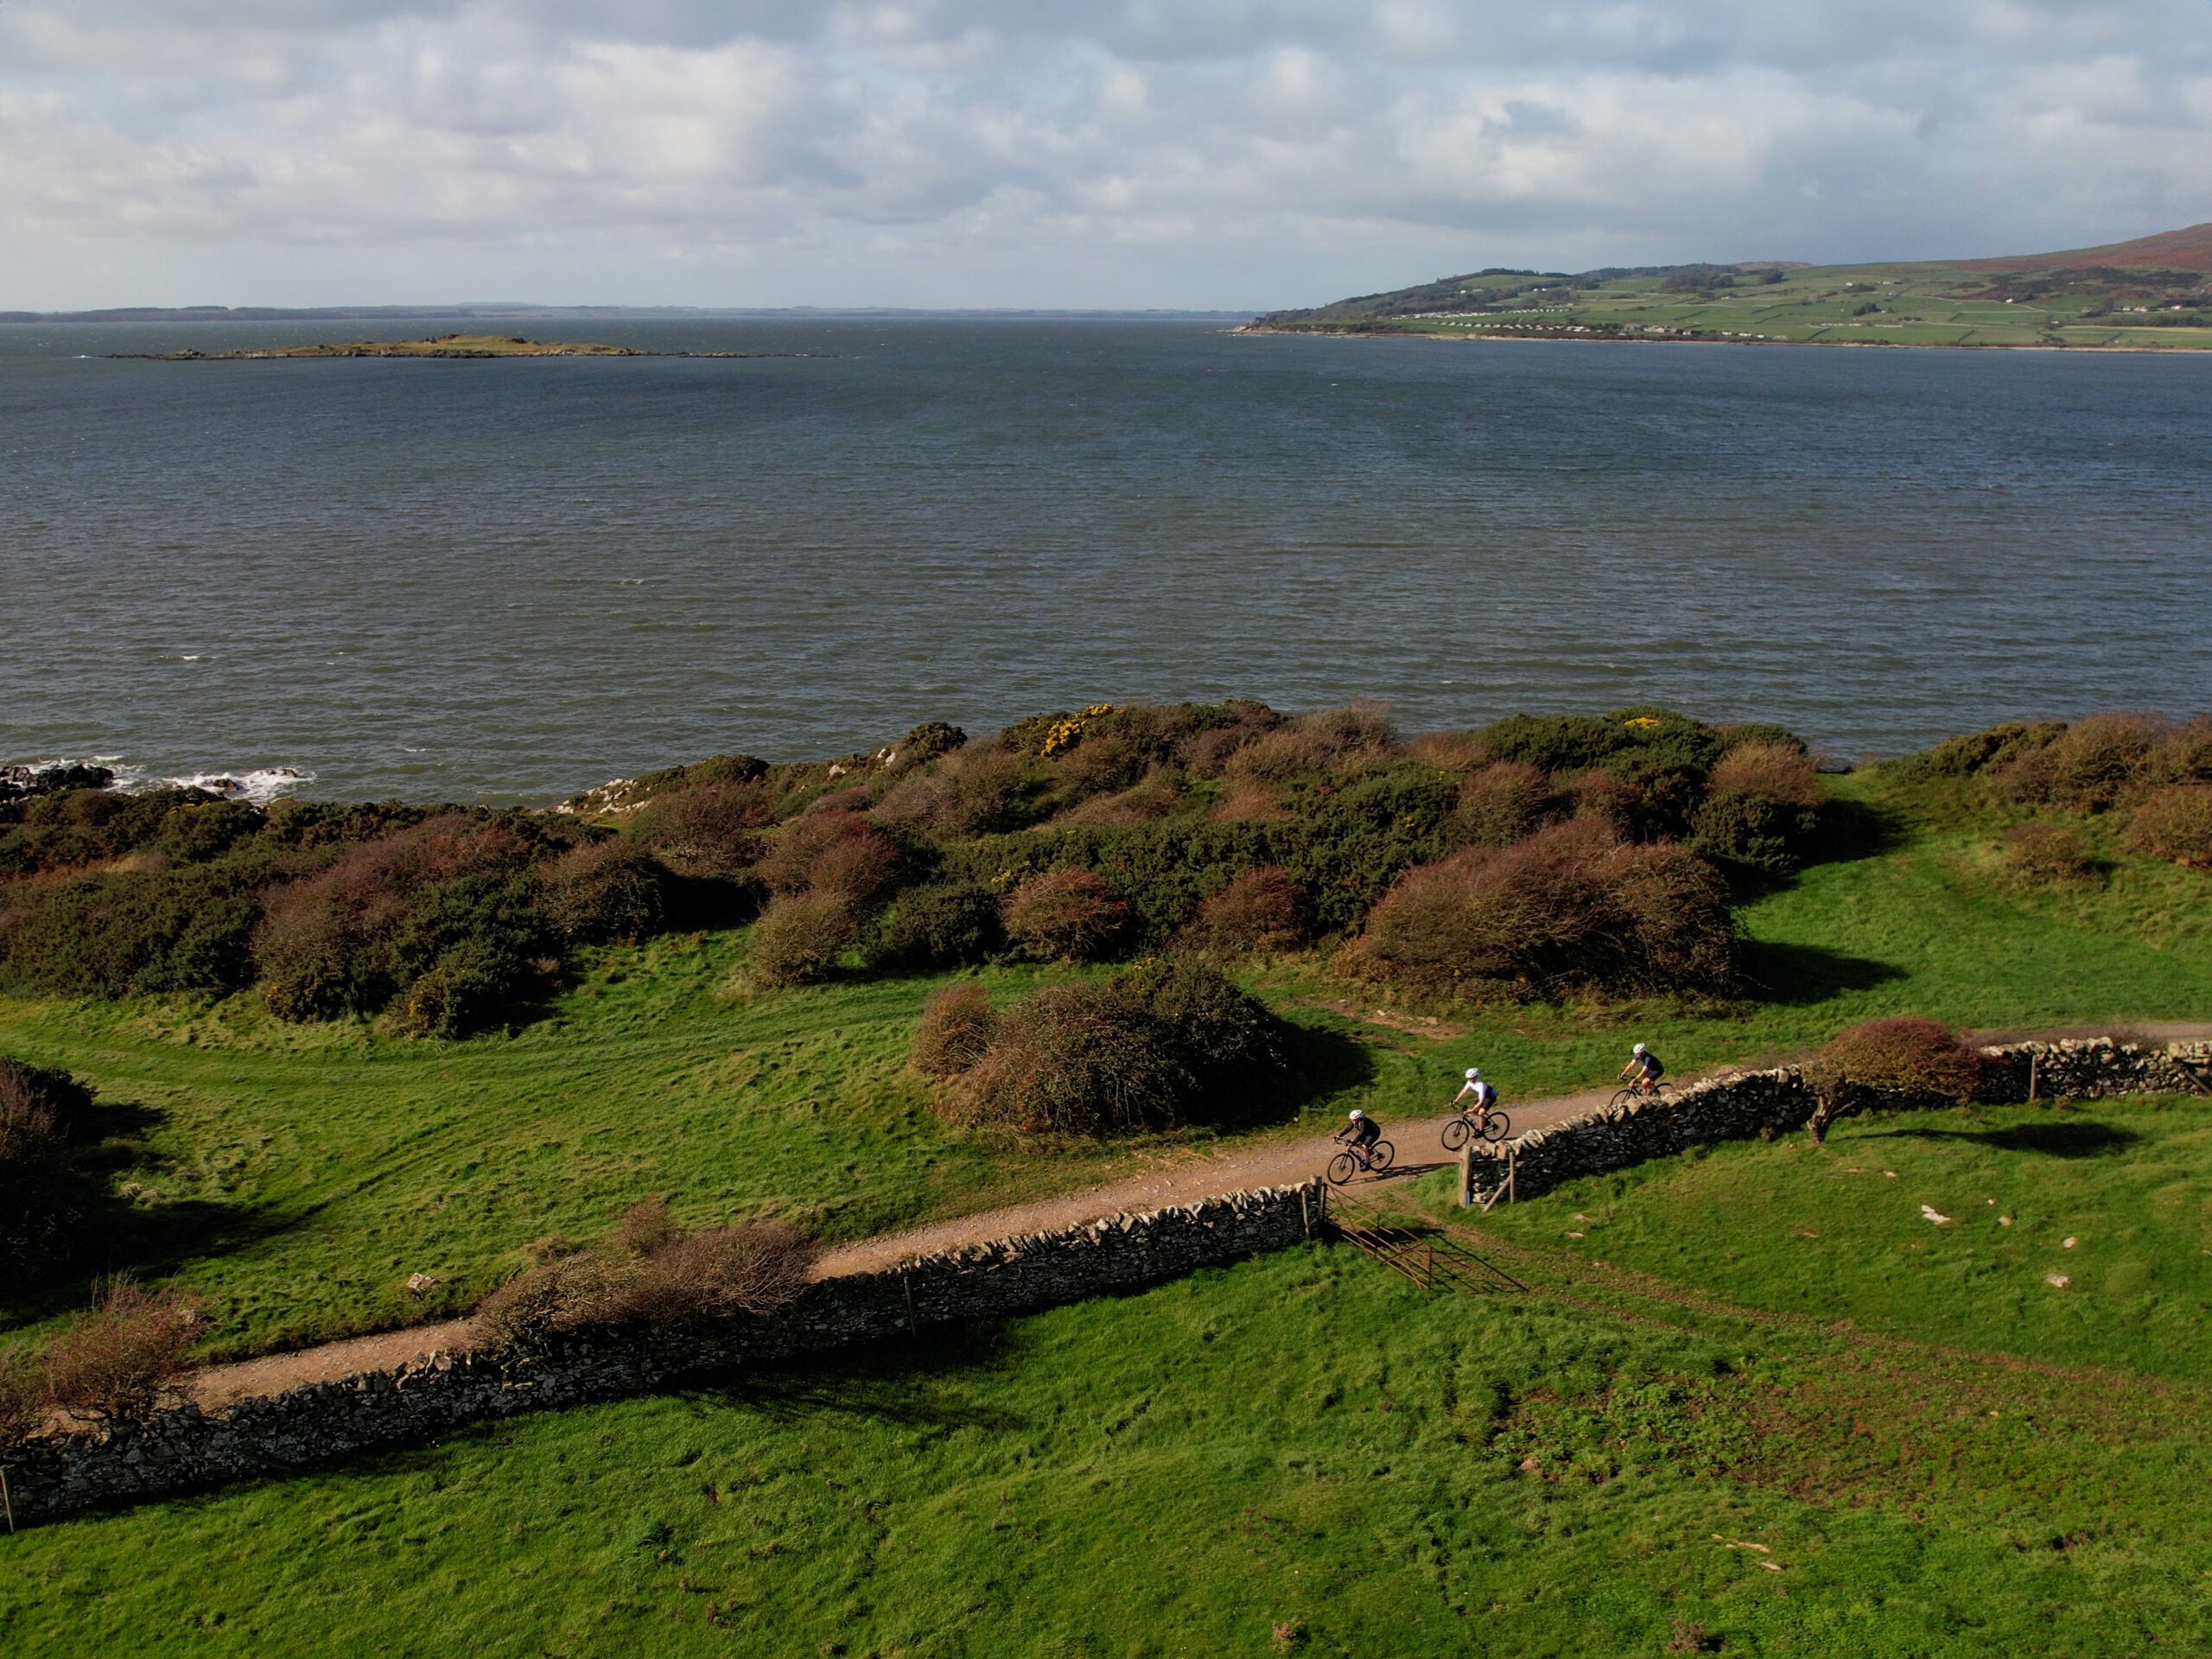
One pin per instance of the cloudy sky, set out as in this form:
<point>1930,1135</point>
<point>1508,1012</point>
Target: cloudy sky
<point>1044,152</point>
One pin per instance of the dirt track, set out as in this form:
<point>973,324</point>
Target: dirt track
<point>1194,1175</point>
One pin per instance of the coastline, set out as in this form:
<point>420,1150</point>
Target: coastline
<point>1473,339</point>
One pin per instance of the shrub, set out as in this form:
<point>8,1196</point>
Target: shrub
<point>971,791</point>
<point>955,1032</point>
<point>1101,765</point>
<point>1155,1046</point>
<point>1506,802</point>
<point>605,892</point>
<point>713,829</point>
<point>43,1115</point>
<point>118,1362</point>
<point>470,985</point>
<point>23,1402</point>
<point>2042,855</point>
<point>146,933</point>
<point>1978,752</point>
<point>653,1273</point>
<point>1063,915</point>
<point>2088,766</point>
<point>1571,908</point>
<point>1208,749</point>
<point>2174,823</point>
<point>926,742</point>
<point>834,850</point>
<point>1153,796</point>
<point>1903,1062</point>
<point>1450,750</point>
<point>198,832</point>
<point>1329,742</point>
<point>802,938</point>
<point>943,925</point>
<point>1259,910</point>
<point>1762,807</point>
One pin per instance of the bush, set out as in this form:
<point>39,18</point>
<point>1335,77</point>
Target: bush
<point>834,850</point>
<point>1904,1062</point>
<point>1154,796</point>
<point>1101,765</point>
<point>926,742</point>
<point>1063,915</point>
<point>1505,802</point>
<point>2174,823</point>
<point>1331,742</point>
<point>971,791</point>
<point>606,892</point>
<point>713,829</point>
<point>118,1362</point>
<point>1762,807</point>
<point>654,1274</point>
<point>141,933</point>
<point>956,1031</point>
<point>469,986</point>
<point>2088,766</point>
<point>802,938</point>
<point>945,925</point>
<point>1572,908</point>
<point>43,1115</point>
<point>1260,911</point>
<point>1155,1046</point>
<point>23,1402</point>
<point>2043,854</point>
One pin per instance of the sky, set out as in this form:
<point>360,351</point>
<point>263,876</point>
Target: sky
<point>1059,153</point>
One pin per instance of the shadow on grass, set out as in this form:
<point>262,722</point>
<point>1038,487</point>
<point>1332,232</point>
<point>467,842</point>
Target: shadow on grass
<point>909,1384</point>
<point>1318,1062</point>
<point>2054,1140</point>
<point>1797,975</point>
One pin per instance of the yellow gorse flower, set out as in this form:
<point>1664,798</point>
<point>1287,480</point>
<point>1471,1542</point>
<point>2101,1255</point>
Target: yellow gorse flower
<point>1644,722</point>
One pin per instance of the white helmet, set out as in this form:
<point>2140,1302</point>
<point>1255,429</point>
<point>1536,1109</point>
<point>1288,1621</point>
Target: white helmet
<point>1638,1049</point>
<point>1356,1112</point>
<point>1473,1076</point>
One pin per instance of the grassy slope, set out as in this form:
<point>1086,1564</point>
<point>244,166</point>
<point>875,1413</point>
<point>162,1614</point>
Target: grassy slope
<point>1304,1441</point>
<point>296,1177</point>
<point>1921,305</point>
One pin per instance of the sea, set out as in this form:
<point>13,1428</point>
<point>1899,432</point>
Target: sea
<point>506,581</point>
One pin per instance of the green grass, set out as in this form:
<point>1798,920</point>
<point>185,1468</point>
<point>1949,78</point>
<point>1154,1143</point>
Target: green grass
<point>1304,1441</point>
<point>294,1177</point>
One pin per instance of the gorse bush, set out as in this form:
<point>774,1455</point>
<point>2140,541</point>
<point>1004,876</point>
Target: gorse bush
<point>946,925</point>
<point>1573,908</point>
<point>713,830</point>
<point>956,1031</point>
<point>1158,1045</point>
<point>652,1272</point>
<point>1259,910</point>
<point>1507,801</point>
<point>2044,854</point>
<point>604,893</point>
<point>1899,1063</point>
<point>802,939</point>
<point>2174,823</point>
<point>1063,915</point>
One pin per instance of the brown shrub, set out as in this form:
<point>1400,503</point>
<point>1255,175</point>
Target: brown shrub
<point>1101,765</point>
<point>2174,823</point>
<point>645,1226</point>
<point>1781,772</point>
<point>1451,751</point>
<point>976,791</point>
<point>43,1113</point>
<point>1154,796</point>
<point>2043,855</point>
<point>832,851</point>
<point>2185,756</point>
<point>1073,1060</point>
<point>956,1031</point>
<point>1506,802</point>
<point>1260,910</point>
<point>753,1268</point>
<point>1206,751</point>
<point>605,892</point>
<point>1571,908</point>
<point>23,1402</point>
<point>1896,1063</point>
<point>118,1363</point>
<point>801,938</point>
<point>2088,766</point>
<point>710,830</point>
<point>1331,742</point>
<point>1063,915</point>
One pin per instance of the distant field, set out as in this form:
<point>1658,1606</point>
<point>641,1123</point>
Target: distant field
<point>294,1176</point>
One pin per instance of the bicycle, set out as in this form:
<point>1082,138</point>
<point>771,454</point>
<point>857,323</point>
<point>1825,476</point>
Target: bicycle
<point>1662,1094</point>
<point>1492,1126</point>
<point>1351,1161</point>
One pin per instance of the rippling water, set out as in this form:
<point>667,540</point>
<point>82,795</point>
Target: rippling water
<point>512,580</point>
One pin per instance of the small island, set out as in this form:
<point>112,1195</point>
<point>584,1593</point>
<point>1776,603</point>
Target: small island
<point>444,346</point>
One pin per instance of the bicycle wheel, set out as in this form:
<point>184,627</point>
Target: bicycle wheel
<point>1625,1099</point>
<point>1496,1127</point>
<point>1342,1168</point>
<point>1456,1134</point>
<point>1379,1156</point>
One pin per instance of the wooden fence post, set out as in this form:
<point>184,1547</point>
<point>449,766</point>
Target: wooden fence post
<point>2032,1057</point>
<point>1467,1175</point>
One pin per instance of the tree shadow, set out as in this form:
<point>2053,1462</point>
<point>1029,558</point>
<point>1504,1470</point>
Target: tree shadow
<point>1796,974</point>
<point>1849,830</point>
<point>1318,1062</point>
<point>906,1383</point>
<point>2059,1138</point>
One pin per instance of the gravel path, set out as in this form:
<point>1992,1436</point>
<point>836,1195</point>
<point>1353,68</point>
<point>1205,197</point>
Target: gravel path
<point>1185,1179</point>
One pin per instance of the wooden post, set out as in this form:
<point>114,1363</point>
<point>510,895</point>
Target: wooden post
<point>1430,1267</point>
<point>1512,1168</point>
<point>6,1502</point>
<point>2032,1057</point>
<point>913,1325</point>
<point>1467,1175</point>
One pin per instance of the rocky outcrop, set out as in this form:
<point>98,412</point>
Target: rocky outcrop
<point>19,784</point>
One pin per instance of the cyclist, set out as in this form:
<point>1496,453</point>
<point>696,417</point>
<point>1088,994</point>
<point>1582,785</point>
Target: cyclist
<point>1485,1097</point>
<point>1359,1134</point>
<point>1643,1071</point>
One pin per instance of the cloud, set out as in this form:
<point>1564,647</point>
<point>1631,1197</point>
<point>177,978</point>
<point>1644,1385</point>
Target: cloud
<point>1133,151</point>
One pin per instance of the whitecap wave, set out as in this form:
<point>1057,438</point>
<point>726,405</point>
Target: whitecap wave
<point>258,784</point>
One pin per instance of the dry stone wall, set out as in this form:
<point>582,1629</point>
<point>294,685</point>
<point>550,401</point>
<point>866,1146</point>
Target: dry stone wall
<point>1750,1103</point>
<point>187,1450</point>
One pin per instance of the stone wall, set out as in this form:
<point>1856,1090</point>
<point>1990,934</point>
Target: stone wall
<point>187,1450</point>
<point>1752,1103</point>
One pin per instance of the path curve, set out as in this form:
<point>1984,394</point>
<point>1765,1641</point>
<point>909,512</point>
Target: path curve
<point>1190,1176</point>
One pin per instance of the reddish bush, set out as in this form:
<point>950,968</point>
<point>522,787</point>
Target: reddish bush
<point>832,851</point>
<point>1101,765</point>
<point>119,1361</point>
<point>1063,915</point>
<point>2174,823</point>
<point>1506,802</point>
<point>1259,910</point>
<point>23,1402</point>
<point>1249,799</point>
<point>1782,773</point>
<point>1330,742</point>
<point>1154,796</point>
<point>711,829</point>
<point>802,938</point>
<point>605,892</point>
<point>1903,1062</point>
<point>971,791</point>
<point>1571,908</point>
<point>2088,766</point>
<point>2043,855</point>
<point>956,1031</point>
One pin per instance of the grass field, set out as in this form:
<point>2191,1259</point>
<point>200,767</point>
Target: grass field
<point>294,1176</point>
<point>1300,1454</point>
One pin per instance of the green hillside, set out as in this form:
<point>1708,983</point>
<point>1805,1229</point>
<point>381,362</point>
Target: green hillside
<point>2152,294</point>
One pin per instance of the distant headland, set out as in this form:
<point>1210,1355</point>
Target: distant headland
<point>2153,294</point>
<point>448,345</point>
